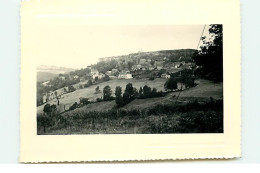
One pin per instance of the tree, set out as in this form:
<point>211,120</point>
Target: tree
<point>97,89</point>
<point>141,92</point>
<point>83,100</point>
<point>89,82</point>
<point>107,92</point>
<point>136,94</point>
<point>152,62</point>
<point>96,79</point>
<point>39,99</point>
<point>210,55</point>
<point>119,98</point>
<point>49,108</point>
<point>56,94</point>
<point>74,106</point>
<point>154,92</point>
<point>71,88</point>
<point>159,74</point>
<point>147,91</point>
<point>44,121</point>
<point>170,84</point>
<point>106,78</point>
<point>187,78</point>
<point>129,94</point>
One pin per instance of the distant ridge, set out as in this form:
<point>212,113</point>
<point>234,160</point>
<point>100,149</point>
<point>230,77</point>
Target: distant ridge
<point>45,73</point>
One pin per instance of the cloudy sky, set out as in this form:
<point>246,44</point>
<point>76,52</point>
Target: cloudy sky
<point>81,45</point>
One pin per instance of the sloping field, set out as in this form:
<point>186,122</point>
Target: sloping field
<point>70,98</point>
<point>204,89</point>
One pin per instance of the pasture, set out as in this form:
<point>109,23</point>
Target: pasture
<point>138,116</point>
<point>204,89</point>
<point>68,99</point>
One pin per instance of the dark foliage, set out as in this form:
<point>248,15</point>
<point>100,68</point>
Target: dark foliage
<point>129,94</point>
<point>170,84</point>
<point>74,106</point>
<point>119,98</point>
<point>84,101</point>
<point>210,57</point>
<point>49,108</point>
<point>71,88</point>
<point>193,117</point>
<point>99,99</point>
<point>107,92</point>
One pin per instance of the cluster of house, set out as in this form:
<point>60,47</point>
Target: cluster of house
<point>136,69</point>
<point>114,73</point>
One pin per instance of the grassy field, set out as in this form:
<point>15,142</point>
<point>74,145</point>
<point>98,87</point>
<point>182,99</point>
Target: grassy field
<point>100,117</point>
<point>204,89</point>
<point>89,92</point>
<point>191,117</point>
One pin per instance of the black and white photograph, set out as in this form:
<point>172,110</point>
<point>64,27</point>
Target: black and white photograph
<point>130,79</point>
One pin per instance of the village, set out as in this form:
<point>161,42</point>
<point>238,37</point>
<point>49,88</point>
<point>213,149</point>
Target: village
<point>137,66</point>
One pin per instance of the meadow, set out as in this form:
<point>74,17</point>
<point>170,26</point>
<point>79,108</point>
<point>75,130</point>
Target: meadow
<point>151,115</point>
<point>68,99</point>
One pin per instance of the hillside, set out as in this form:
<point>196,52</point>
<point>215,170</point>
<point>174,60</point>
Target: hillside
<point>89,92</point>
<point>142,65</point>
<point>170,55</point>
<point>45,76</point>
<point>45,73</point>
<point>204,89</point>
<point>151,115</point>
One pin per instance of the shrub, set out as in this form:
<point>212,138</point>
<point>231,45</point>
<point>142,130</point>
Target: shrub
<point>151,78</point>
<point>49,108</point>
<point>44,121</point>
<point>170,84</point>
<point>71,88</point>
<point>74,106</point>
<point>107,92</point>
<point>83,100</point>
<point>99,100</point>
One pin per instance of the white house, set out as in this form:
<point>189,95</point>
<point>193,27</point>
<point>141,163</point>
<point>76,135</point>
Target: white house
<point>125,76</point>
<point>45,83</point>
<point>166,76</point>
<point>94,75</point>
<point>101,75</point>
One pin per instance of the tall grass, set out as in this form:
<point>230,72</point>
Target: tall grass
<point>191,117</point>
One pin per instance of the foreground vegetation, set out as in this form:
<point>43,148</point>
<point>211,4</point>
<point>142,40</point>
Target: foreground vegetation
<point>191,117</point>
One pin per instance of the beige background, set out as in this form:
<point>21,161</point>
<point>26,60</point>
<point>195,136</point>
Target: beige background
<point>130,147</point>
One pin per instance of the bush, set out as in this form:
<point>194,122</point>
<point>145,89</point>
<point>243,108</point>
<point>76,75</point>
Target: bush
<point>106,78</point>
<point>44,121</point>
<point>74,106</point>
<point>201,122</point>
<point>71,88</point>
<point>49,108</point>
<point>99,100</point>
<point>107,92</point>
<point>171,84</point>
<point>151,78</point>
<point>83,100</point>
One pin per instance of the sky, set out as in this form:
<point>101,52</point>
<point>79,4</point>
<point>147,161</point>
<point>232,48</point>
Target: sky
<point>78,46</point>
